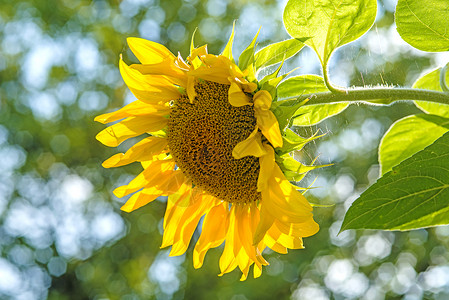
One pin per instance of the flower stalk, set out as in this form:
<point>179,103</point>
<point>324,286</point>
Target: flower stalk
<point>373,95</point>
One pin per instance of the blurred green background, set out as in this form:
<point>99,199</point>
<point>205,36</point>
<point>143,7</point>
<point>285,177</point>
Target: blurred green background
<point>62,235</point>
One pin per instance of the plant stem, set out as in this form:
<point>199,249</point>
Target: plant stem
<point>374,95</point>
<point>443,83</point>
<point>329,85</point>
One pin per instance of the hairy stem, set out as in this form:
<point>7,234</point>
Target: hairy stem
<point>374,95</point>
<point>443,83</point>
<point>329,85</point>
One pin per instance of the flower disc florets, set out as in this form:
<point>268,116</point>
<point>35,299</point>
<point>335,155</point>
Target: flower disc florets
<point>201,137</point>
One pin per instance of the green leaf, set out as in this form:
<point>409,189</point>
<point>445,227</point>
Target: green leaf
<point>314,114</point>
<point>431,81</point>
<point>328,24</point>
<point>309,114</point>
<point>408,136</point>
<point>423,24</point>
<point>277,52</point>
<point>415,194</point>
<point>296,86</point>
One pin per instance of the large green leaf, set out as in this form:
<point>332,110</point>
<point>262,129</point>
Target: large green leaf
<point>277,52</point>
<point>308,84</point>
<point>431,81</point>
<point>328,24</point>
<point>408,136</point>
<point>415,194</point>
<point>424,23</point>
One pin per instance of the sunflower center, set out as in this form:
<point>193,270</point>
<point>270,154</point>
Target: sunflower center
<point>202,136</point>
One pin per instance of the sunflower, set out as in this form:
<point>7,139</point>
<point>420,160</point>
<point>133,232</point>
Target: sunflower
<point>214,146</point>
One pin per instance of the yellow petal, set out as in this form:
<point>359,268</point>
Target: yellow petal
<point>283,201</point>
<point>191,88</point>
<point>197,52</point>
<point>212,234</point>
<point>251,146</point>
<point>274,245</point>
<point>266,120</point>
<point>269,126</point>
<point>189,222</point>
<point>246,86</point>
<point>266,168</point>
<point>166,68</point>
<point>244,267</point>
<point>249,87</point>
<point>181,64</point>
<point>183,193</point>
<point>148,88</point>
<point>288,241</point>
<point>288,191</point>
<point>214,68</point>
<point>141,198</point>
<point>266,220</point>
<point>142,151</point>
<point>227,260</point>
<point>148,52</point>
<point>135,108</point>
<point>177,206</point>
<point>158,173</point>
<point>257,271</point>
<point>262,100</point>
<point>237,97</point>
<point>308,228</point>
<point>237,73</point>
<point>247,216</point>
<point>113,135</point>
<point>175,183</point>
<point>162,156</point>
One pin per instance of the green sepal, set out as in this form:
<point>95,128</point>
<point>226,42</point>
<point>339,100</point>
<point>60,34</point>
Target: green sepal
<point>246,59</point>
<point>271,76</point>
<point>321,205</point>
<point>285,112</point>
<point>271,85</point>
<point>293,141</point>
<point>227,52</point>
<point>293,169</point>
